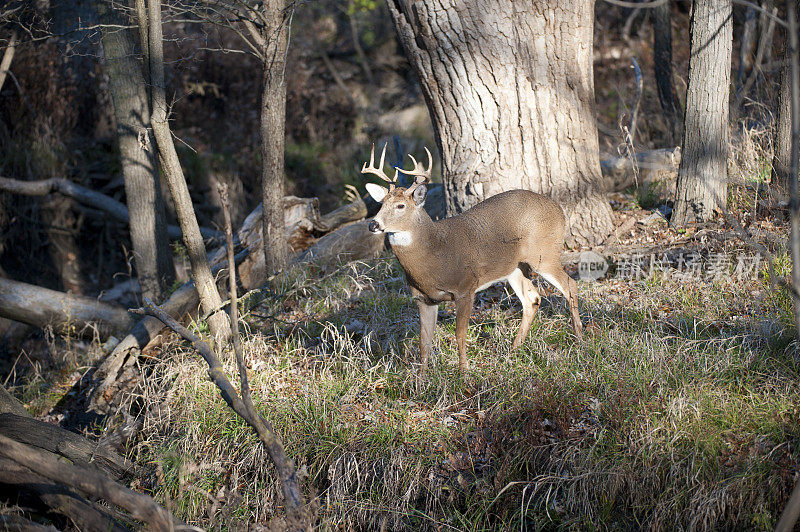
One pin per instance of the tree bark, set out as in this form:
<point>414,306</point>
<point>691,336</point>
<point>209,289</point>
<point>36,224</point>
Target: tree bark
<point>8,56</point>
<point>662,66</point>
<point>9,405</point>
<point>703,174</point>
<point>781,174</point>
<point>210,299</point>
<point>273,117</point>
<point>142,189</point>
<point>510,90</point>
<point>74,447</point>
<point>65,253</point>
<point>140,506</point>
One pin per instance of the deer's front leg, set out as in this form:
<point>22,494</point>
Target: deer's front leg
<point>463,312</point>
<point>427,323</point>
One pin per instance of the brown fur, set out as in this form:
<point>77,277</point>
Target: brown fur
<point>506,236</point>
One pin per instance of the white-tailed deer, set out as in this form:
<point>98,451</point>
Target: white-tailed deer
<point>505,237</point>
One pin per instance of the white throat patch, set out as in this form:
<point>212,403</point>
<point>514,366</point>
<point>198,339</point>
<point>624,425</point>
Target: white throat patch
<point>400,238</point>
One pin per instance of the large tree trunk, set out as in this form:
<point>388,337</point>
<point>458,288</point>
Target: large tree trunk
<point>273,117</point>
<point>510,89</point>
<point>192,239</point>
<point>148,225</point>
<point>703,174</point>
<point>662,66</point>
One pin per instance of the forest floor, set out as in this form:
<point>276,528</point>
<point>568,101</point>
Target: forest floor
<point>681,408</point>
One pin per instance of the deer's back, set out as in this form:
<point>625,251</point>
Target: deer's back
<point>488,241</point>
<point>516,219</point>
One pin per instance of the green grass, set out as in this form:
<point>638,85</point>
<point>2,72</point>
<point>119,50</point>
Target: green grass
<point>680,410</point>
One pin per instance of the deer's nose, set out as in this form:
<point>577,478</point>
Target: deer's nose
<point>374,227</point>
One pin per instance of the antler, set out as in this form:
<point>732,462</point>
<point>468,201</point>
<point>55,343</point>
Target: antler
<point>378,171</point>
<point>423,175</point>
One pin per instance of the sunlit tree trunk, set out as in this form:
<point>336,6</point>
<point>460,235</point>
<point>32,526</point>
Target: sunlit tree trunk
<point>273,118</point>
<point>703,174</point>
<point>210,300</point>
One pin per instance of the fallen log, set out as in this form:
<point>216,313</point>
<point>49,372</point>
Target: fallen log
<point>301,222</point>
<point>92,483</point>
<point>76,448</point>
<point>66,313</point>
<point>37,441</point>
<point>85,196</point>
<point>57,498</point>
<point>9,405</point>
<point>15,523</point>
<point>348,243</point>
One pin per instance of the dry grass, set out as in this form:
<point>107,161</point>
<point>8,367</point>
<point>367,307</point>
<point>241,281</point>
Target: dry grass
<point>681,410</point>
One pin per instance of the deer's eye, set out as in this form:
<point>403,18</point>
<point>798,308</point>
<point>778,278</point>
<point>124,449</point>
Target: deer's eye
<point>400,206</point>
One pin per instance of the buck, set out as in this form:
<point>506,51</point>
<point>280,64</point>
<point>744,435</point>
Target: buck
<point>505,237</point>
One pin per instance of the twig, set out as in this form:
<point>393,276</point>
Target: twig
<point>295,505</point>
<point>234,306</point>
<point>637,97</point>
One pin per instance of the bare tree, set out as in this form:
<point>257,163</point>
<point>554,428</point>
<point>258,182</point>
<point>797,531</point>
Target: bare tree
<point>662,66</point>
<point>510,90</point>
<point>264,30</point>
<point>703,175</point>
<point>210,300</point>
<point>148,226</point>
<point>274,41</point>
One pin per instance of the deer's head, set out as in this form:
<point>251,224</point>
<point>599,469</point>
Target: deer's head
<point>400,206</point>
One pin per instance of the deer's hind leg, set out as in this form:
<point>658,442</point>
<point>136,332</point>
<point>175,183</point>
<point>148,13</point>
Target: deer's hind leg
<point>530,299</point>
<point>554,273</point>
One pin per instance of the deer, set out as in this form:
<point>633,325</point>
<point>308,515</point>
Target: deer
<point>508,236</point>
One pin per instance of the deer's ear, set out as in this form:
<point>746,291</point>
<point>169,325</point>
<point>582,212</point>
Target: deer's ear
<point>377,192</point>
<point>419,195</point>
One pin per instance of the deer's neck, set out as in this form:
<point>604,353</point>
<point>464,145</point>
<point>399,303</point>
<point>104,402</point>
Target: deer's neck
<point>421,240</point>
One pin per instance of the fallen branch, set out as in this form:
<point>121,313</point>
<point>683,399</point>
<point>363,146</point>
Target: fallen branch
<point>86,196</point>
<point>43,307</point>
<point>15,523</point>
<point>9,405</point>
<point>295,506</point>
<point>354,211</point>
